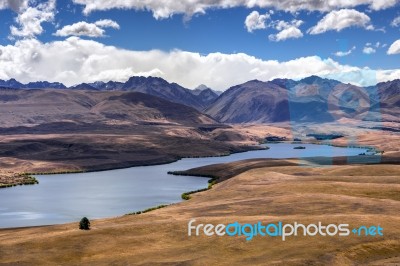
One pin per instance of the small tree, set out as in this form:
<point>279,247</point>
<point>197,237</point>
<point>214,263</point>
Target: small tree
<point>84,224</point>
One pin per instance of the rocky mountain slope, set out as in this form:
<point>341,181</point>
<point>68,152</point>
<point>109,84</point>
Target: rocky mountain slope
<point>73,108</point>
<point>312,99</point>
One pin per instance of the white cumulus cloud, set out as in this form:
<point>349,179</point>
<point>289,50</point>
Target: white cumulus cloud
<point>286,30</point>
<point>107,23</point>
<point>394,48</point>
<point>30,18</point>
<point>345,53</point>
<point>166,8</point>
<point>75,60</point>
<point>289,33</point>
<point>87,29</point>
<point>340,19</point>
<point>369,50</point>
<point>255,21</point>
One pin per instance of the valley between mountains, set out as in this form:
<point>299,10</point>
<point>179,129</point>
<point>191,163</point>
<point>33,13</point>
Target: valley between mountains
<point>47,127</point>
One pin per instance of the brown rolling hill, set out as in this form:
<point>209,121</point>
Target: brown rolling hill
<point>30,108</point>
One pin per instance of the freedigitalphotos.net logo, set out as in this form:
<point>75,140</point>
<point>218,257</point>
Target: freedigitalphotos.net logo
<point>282,230</point>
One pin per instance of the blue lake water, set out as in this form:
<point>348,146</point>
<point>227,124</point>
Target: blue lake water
<point>68,197</point>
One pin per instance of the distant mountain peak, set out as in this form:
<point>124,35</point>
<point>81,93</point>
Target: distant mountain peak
<point>205,94</point>
<point>201,87</point>
<point>11,83</point>
<point>44,85</point>
<point>316,79</point>
<point>148,78</point>
<point>83,86</point>
<point>254,81</point>
<point>97,83</point>
<point>141,81</point>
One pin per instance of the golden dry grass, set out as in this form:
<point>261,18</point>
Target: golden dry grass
<point>355,194</point>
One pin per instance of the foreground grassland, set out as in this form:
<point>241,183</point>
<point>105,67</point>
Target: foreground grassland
<point>277,191</point>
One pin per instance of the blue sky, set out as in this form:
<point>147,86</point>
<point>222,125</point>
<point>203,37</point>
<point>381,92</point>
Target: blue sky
<point>223,30</point>
<point>182,30</point>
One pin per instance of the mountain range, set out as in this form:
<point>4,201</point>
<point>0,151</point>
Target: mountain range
<point>14,84</point>
<point>199,99</point>
<point>312,99</point>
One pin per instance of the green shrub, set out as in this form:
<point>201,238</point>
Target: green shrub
<point>185,196</point>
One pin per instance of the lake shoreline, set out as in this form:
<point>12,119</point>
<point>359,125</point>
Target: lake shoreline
<point>240,149</point>
<point>14,179</point>
<point>214,177</point>
<point>205,173</point>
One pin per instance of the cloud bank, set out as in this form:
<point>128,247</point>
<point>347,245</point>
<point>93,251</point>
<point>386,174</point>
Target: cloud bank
<point>75,60</point>
<point>166,8</point>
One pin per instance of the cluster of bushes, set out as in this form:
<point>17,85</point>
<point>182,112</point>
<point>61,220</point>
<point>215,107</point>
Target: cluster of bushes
<point>28,180</point>
<point>148,210</point>
<point>8,185</point>
<point>211,182</point>
<point>185,195</point>
<point>57,172</point>
<point>275,139</point>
